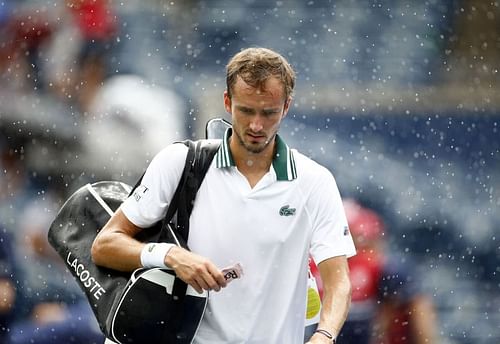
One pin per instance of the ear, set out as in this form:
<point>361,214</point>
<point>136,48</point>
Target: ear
<point>286,106</point>
<point>227,102</point>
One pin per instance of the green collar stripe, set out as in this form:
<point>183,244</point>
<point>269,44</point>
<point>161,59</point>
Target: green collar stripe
<point>291,171</point>
<point>223,157</point>
<point>283,161</point>
<point>292,166</point>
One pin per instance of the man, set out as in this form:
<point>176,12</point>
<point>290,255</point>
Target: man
<point>388,306</point>
<point>262,205</point>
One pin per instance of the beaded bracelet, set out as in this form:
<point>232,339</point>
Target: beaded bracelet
<point>326,334</point>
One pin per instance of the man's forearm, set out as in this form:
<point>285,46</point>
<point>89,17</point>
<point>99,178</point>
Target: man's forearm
<point>115,246</point>
<point>335,307</point>
<point>336,295</point>
<point>118,252</point>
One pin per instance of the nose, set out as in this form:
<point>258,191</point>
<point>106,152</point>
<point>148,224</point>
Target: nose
<point>256,124</point>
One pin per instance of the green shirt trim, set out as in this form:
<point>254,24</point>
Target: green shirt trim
<point>283,161</point>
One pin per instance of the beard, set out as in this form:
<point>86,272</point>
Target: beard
<point>254,148</point>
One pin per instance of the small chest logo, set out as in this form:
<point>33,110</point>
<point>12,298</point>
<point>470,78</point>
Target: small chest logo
<point>287,211</point>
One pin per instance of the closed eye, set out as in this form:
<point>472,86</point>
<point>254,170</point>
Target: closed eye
<point>245,110</point>
<point>270,112</point>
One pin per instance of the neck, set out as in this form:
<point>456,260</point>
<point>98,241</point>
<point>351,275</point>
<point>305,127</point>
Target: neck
<point>252,165</point>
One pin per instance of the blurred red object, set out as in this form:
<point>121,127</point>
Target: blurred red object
<point>25,31</point>
<point>364,224</point>
<point>95,18</point>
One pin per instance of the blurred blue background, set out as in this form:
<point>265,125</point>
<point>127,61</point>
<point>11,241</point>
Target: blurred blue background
<point>399,99</point>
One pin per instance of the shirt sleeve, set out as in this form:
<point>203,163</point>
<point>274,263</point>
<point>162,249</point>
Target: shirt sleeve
<point>330,236</point>
<point>149,202</point>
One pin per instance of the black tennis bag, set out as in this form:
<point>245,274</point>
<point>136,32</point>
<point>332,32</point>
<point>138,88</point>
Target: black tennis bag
<point>149,305</point>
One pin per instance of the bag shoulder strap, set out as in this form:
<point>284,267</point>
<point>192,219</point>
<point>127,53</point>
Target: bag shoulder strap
<point>198,160</point>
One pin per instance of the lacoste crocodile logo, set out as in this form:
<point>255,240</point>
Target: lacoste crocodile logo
<point>287,211</point>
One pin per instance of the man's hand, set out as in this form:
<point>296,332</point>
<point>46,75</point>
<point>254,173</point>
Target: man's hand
<point>195,270</point>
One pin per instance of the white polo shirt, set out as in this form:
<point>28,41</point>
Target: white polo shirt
<point>270,229</point>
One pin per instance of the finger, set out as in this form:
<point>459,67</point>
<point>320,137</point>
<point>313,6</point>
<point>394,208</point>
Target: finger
<point>219,278</point>
<point>196,286</point>
<point>207,281</point>
<point>202,283</point>
<point>212,283</point>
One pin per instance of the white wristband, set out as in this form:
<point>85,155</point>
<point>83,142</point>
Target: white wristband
<point>153,254</point>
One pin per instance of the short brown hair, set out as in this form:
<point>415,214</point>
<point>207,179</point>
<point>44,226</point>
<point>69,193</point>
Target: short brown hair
<point>256,65</point>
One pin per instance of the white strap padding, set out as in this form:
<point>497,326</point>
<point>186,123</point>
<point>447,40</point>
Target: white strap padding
<point>100,200</point>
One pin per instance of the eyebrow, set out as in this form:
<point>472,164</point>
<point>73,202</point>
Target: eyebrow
<point>268,110</point>
<point>242,107</point>
<point>271,110</point>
